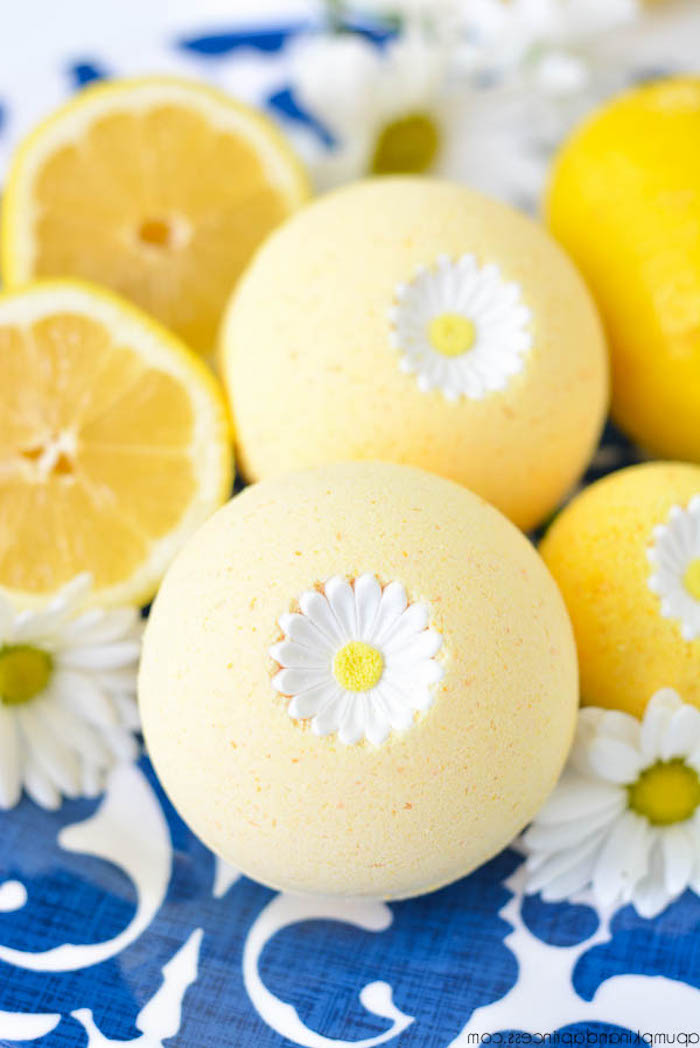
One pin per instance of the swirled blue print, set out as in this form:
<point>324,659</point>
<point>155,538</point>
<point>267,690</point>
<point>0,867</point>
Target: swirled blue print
<point>115,930</point>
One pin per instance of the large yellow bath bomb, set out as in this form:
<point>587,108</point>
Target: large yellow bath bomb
<point>415,321</point>
<point>358,679</point>
<point>624,200</point>
<point>626,555</point>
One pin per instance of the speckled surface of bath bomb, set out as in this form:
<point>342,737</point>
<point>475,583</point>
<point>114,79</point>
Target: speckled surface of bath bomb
<point>626,555</point>
<point>358,679</point>
<point>415,321</point>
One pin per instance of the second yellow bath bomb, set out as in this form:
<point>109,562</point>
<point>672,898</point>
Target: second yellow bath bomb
<point>417,322</point>
<point>626,555</point>
<point>358,679</point>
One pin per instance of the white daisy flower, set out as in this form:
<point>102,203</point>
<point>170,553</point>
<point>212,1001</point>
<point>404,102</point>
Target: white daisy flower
<point>461,328</point>
<point>625,816</point>
<point>67,696</point>
<point>505,35</point>
<point>675,559</point>
<point>385,110</point>
<point>358,660</point>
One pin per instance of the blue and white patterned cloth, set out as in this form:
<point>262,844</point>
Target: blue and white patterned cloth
<point>117,927</point>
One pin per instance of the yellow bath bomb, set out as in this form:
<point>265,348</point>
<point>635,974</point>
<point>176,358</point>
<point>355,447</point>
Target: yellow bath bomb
<point>624,201</point>
<point>358,679</point>
<point>626,555</point>
<point>415,321</point>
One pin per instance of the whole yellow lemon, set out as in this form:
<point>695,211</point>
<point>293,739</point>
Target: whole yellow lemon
<point>414,321</point>
<point>358,679</point>
<point>626,555</point>
<point>624,200</point>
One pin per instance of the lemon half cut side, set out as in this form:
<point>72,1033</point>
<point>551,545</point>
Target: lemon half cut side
<point>114,444</point>
<point>161,189</point>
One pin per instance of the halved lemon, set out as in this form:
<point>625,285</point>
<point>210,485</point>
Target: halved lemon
<point>114,445</point>
<point>158,188</point>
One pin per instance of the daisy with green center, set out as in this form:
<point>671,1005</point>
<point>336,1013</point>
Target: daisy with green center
<point>625,816</point>
<point>675,560</point>
<point>357,659</point>
<point>461,328</point>
<point>385,110</point>
<point>67,696</point>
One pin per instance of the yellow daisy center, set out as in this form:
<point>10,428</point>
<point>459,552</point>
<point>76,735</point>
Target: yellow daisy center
<point>408,144</point>
<point>24,672</point>
<point>358,666</point>
<point>691,579</point>
<point>667,792</point>
<point>451,334</point>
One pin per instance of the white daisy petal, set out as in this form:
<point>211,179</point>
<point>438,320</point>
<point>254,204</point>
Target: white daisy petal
<point>122,744</point>
<point>317,609</point>
<point>391,606</point>
<point>334,78</point>
<point>620,726</point>
<point>121,681</point>
<point>650,895</point>
<point>301,629</point>
<point>296,656</point>
<point>10,759</point>
<point>419,674</point>
<point>577,798</point>
<point>377,725</point>
<point>33,625</point>
<point>622,859</point>
<point>567,883</point>
<point>81,694</point>
<point>676,545</point>
<point>100,656</point>
<point>294,680</point>
<point>39,786</point>
<point>57,759</point>
<point>682,734</point>
<point>695,837</point>
<point>414,620</point>
<point>562,835</point>
<point>7,620</point>
<point>657,719</point>
<point>97,626</point>
<point>127,710</point>
<point>419,647</point>
<point>693,759</point>
<point>554,865</point>
<point>341,598</point>
<point>368,594</point>
<point>589,720</point>
<point>678,856</point>
<point>614,760</point>
<point>352,725</point>
<point>91,780</point>
<point>77,733</point>
<point>328,719</point>
<point>393,705</point>
<point>309,703</point>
